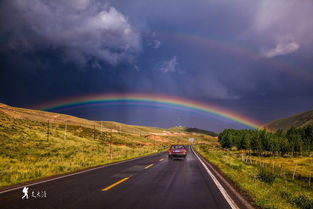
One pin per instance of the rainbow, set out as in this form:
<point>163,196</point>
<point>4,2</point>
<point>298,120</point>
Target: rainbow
<point>235,50</point>
<point>150,100</point>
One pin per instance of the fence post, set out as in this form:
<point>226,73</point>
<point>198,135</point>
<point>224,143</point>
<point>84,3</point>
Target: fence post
<point>294,172</point>
<point>310,179</point>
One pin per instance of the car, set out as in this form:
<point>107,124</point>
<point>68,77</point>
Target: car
<point>177,152</point>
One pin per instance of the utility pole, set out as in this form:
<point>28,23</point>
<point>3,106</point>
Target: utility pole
<point>178,121</point>
<point>111,144</point>
<point>94,131</point>
<point>65,130</point>
<point>48,130</point>
<point>154,144</point>
<point>101,128</point>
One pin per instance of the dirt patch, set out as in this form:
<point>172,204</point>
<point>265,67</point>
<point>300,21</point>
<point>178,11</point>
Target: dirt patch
<point>156,138</point>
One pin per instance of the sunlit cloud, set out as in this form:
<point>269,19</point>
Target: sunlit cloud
<point>282,49</point>
<point>273,20</point>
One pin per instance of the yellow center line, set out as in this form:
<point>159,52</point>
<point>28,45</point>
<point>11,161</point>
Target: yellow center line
<point>161,159</point>
<point>149,166</point>
<point>116,183</point>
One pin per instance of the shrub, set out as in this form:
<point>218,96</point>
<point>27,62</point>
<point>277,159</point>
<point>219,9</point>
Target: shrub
<point>266,175</point>
<point>303,202</point>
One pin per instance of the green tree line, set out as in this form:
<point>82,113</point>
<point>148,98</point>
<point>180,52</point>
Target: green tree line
<point>293,141</point>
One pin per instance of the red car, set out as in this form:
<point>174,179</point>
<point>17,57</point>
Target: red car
<point>177,151</point>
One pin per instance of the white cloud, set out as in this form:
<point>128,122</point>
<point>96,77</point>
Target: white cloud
<point>83,30</point>
<point>283,18</point>
<point>282,49</point>
<point>169,66</point>
<point>157,44</point>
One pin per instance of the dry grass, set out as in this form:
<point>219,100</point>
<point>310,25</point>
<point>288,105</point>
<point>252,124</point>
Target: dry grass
<point>26,153</point>
<point>264,185</point>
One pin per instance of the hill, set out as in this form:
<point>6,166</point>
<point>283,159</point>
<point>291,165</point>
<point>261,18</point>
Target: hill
<point>299,120</point>
<point>57,118</point>
<point>193,130</point>
<point>36,144</point>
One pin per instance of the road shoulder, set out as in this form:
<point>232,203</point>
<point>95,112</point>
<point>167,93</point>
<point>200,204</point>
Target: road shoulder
<point>241,199</point>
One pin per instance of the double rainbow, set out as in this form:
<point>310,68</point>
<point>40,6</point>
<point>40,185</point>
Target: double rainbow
<point>150,100</point>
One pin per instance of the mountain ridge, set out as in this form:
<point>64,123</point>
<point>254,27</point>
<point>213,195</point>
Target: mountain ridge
<point>298,120</point>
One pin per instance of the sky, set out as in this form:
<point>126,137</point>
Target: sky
<point>254,58</point>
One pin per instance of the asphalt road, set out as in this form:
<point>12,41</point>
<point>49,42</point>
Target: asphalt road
<point>152,182</point>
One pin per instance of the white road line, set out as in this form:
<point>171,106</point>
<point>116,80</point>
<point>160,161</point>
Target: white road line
<point>230,201</point>
<point>73,174</point>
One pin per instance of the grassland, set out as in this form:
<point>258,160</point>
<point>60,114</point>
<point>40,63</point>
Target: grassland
<point>32,148</point>
<point>56,118</point>
<point>265,179</point>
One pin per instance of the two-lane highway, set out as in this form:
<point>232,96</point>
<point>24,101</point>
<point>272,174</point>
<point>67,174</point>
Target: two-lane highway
<point>152,182</point>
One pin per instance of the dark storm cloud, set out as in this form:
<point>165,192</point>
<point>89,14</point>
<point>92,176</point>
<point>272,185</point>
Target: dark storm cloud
<point>251,57</point>
<point>83,30</point>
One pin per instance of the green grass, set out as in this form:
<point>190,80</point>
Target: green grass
<point>304,164</point>
<point>262,184</point>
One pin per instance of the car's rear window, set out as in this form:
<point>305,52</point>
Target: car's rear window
<point>177,147</point>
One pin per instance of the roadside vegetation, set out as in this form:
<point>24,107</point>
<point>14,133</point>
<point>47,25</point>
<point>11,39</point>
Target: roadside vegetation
<point>274,169</point>
<point>294,142</point>
<point>31,149</point>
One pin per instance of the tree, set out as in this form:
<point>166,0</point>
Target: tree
<point>280,133</point>
<point>284,145</point>
<point>245,142</point>
<point>256,144</point>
